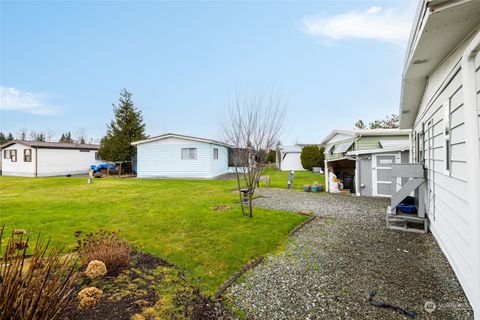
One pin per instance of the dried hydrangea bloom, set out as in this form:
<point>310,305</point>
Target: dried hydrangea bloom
<point>95,269</point>
<point>89,297</point>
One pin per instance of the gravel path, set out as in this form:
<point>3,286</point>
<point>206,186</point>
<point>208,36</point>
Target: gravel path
<point>332,264</point>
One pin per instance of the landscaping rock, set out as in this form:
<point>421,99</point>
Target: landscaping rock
<point>331,265</point>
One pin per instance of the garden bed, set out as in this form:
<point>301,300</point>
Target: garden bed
<point>149,287</point>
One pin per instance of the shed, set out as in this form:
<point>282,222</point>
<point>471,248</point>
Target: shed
<point>362,158</point>
<point>440,102</point>
<point>37,158</point>
<point>174,155</point>
<point>288,158</point>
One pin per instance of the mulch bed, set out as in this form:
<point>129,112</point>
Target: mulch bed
<point>138,288</point>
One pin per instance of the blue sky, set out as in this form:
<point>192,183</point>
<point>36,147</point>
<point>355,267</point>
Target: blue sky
<point>63,64</point>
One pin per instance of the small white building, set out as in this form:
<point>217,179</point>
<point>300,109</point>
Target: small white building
<point>440,102</point>
<point>36,159</point>
<point>288,158</point>
<point>179,156</point>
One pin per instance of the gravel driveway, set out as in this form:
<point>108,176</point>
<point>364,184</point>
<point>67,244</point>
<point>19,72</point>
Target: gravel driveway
<point>332,264</point>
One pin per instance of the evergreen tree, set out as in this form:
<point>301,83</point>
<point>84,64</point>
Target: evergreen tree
<point>40,137</point>
<point>126,127</point>
<point>3,139</point>
<point>311,156</point>
<point>10,137</point>
<point>68,137</point>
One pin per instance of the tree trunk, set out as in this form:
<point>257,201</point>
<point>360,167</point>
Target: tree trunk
<point>239,191</point>
<point>250,214</point>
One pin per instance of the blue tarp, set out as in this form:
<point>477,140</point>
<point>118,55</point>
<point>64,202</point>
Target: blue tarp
<point>101,166</point>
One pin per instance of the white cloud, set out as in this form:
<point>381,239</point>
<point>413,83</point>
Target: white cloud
<point>387,25</point>
<point>13,99</point>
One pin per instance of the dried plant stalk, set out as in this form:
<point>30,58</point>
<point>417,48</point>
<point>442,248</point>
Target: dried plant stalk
<point>36,287</point>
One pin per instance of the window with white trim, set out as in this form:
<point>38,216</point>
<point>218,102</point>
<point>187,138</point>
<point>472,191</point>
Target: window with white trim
<point>27,155</point>
<point>215,153</point>
<point>446,136</point>
<point>189,153</point>
<point>6,154</point>
<point>13,155</point>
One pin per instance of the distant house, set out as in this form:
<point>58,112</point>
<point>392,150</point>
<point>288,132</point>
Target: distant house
<point>179,156</point>
<point>288,158</point>
<point>35,159</point>
<point>440,102</point>
<point>362,158</point>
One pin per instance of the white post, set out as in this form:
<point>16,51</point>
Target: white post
<point>326,176</point>
<point>357,176</point>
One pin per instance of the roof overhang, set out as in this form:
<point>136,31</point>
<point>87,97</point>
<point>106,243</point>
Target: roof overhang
<point>439,27</point>
<point>334,133</point>
<point>180,136</point>
<point>360,152</point>
<point>50,145</point>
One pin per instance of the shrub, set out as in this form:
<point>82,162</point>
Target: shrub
<point>89,297</point>
<point>39,286</point>
<point>272,156</point>
<point>105,246</point>
<point>311,156</point>
<point>96,269</point>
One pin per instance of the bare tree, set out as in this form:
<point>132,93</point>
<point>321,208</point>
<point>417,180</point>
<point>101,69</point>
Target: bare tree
<point>81,135</point>
<point>49,135</point>
<point>253,127</point>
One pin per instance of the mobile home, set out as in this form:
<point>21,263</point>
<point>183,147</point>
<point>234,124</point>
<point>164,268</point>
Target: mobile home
<point>179,156</point>
<point>440,102</point>
<point>36,158</point>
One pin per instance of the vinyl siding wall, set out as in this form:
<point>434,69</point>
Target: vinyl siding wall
<point>19,168</point>
<point>219,166</point>
<point>51,162</point>
<point>163,158</point>
<point>448,208</point>
<point>58,162</point>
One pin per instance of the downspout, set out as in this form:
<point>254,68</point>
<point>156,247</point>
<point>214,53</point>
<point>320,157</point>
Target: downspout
<point>36,162</point>
<point>410,153</point>
<point>473,160</point>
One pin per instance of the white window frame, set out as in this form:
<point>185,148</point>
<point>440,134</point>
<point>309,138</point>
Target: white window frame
<point>6,154</point>
<point>447,148</point>
<point>190,155</point>
<point>215,153</point>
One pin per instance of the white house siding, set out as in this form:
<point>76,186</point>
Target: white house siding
<point>58,162</point>
<point>449,208</point>
<point>19,168</point>
<point>163,158</point>
<point>219,166</point>
<point>477,77</point>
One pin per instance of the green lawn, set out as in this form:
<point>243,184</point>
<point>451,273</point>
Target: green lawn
<point>173,219</point>
<point>279,179</point>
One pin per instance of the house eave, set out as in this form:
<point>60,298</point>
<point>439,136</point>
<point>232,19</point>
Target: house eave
<point>180,136</point>
<point>435,19</point>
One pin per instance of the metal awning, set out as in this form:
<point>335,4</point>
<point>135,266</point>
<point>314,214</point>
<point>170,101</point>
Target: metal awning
<point>394,144</point>
<point>343,147</point>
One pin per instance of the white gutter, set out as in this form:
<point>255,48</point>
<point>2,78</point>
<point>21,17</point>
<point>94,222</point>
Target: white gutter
<point>473,160</point>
